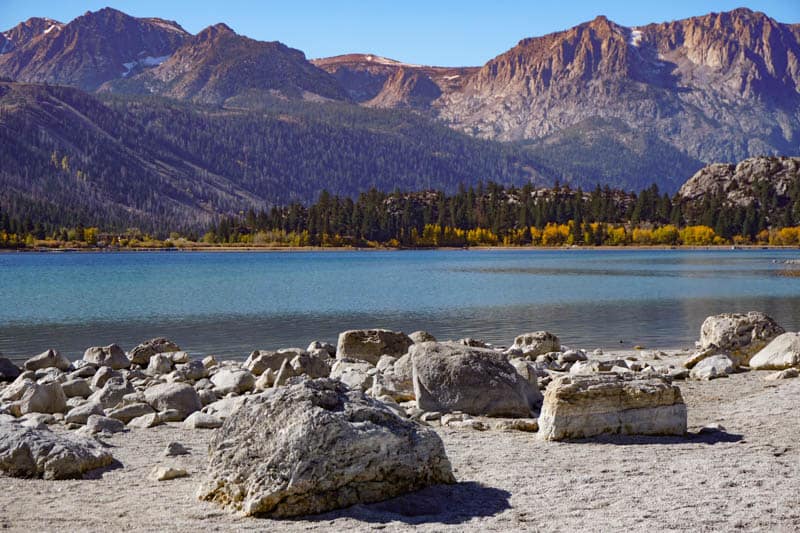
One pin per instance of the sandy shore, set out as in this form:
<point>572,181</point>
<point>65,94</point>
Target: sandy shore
<point>746,478</point>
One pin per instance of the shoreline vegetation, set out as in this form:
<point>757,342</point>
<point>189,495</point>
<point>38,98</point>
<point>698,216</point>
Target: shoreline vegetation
<point>486,216</point>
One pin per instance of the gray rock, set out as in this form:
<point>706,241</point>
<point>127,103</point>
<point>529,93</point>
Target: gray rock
<point>42,398</point>
<point>353,373</point>
<point>81,413</point>
<point>112,392</point>
<point>166,473</point>
<point>584,406</point>
<point>193,370</point>
<point>178,396</point>
<point>171,415</point>
<point>261,360</point>
<point>76,388</point>
<point>141,354</point>
<point>160,363</point>
<point>28,452</point>
<point>208,396</point>
<point>421,336</point>
<point>537,343</point>
<point>17,388</point>
<point>789,373</point>
<point>370,344</point>
<point>8,370</point>
<point>145,421</point>
<point>102,375</point>
<point>48,359</point>
<point>782,353</point>
<point>126,413</point>
<point>716,366</point>
<point>330,349</point>
<point>174,449</point>
<point>473,343</point>
<point>102,424</point>
<point>83,372</point>
<point>311,365</point>
<point>111,355</point>
<point>200,420</point>
<point>315,446</point>
<point>233,380</point>
<point>452,377</point>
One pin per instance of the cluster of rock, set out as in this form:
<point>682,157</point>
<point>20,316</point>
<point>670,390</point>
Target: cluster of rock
<point>307,430</point>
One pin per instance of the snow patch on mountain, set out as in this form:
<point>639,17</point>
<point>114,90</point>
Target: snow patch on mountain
<point>148,61</point>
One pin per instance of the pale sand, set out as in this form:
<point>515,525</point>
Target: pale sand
<point>747,478</point>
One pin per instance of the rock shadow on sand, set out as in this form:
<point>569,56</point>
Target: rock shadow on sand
<point>442,504</point>
<point>699,437</point>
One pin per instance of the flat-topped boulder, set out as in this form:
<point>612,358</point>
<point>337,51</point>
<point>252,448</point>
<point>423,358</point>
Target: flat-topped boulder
<point>579,406</point>
<point>178,396</point>
<point>41,398</point>
<point>782,353</point>
<point>315,446</point>
<point>739,335</point>
<point>26,452</point>
<point>370,344</point>
<point>536,343</point>
<point>477,381</point>
<point>112,356</point>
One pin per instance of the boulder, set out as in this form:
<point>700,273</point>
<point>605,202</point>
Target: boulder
<point>174,449</point>
<point>584,406</point>
<point>315,446</point>
<point>160,363</point>
<point>200,420</point>
<point>369,344</point>
<point>261,360</point>
<point>43,398</point>
<point>15,390</point>
<point>782,353</point>
<point>103,424</point>
<point>453,377</point>
<point>126,413</point>
<point>141,354</point>
<point>740,335</point>
<point>358,375</point>
<point>145,421</point>
<point>76,388</point>
<point>178,396</point>
<point>48,359</point>
<point>716,366</point>
<point>192,371</point>
<point>314,365</point>
<point>166,473</point>
<point>112,392</point>
<point>327,347</point>
<point>537,343</point>
<point>421,336</point>
<point>102,375</point>
<point>789,373</point>
<point>234,380</point>
<point>111,355</point>
<point>8,370</point>
<point>26,452</point>
<point>81,413</point>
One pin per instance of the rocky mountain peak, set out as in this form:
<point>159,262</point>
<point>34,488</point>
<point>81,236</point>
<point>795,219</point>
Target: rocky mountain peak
<point>214,32</point>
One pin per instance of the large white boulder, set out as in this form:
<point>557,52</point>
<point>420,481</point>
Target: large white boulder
<point>316,446</point>
<point>739,335</point>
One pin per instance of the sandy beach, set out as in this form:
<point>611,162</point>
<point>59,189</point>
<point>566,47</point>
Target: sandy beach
<point>746,477</point>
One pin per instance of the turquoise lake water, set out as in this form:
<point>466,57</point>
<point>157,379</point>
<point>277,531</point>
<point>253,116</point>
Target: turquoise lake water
<point>231,303</point>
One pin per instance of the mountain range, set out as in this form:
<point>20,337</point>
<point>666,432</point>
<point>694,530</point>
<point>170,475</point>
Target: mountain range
<point>599,103</point>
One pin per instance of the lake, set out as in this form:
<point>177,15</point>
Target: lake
<point>231,303</point>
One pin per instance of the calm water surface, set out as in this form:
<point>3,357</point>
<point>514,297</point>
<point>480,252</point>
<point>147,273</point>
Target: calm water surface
<point>232,303</point>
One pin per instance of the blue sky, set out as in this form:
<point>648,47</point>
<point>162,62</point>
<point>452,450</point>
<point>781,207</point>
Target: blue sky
<point>447,32</point>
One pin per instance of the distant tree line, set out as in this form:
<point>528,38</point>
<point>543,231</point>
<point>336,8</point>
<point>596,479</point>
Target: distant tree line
<point>488,214</point>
